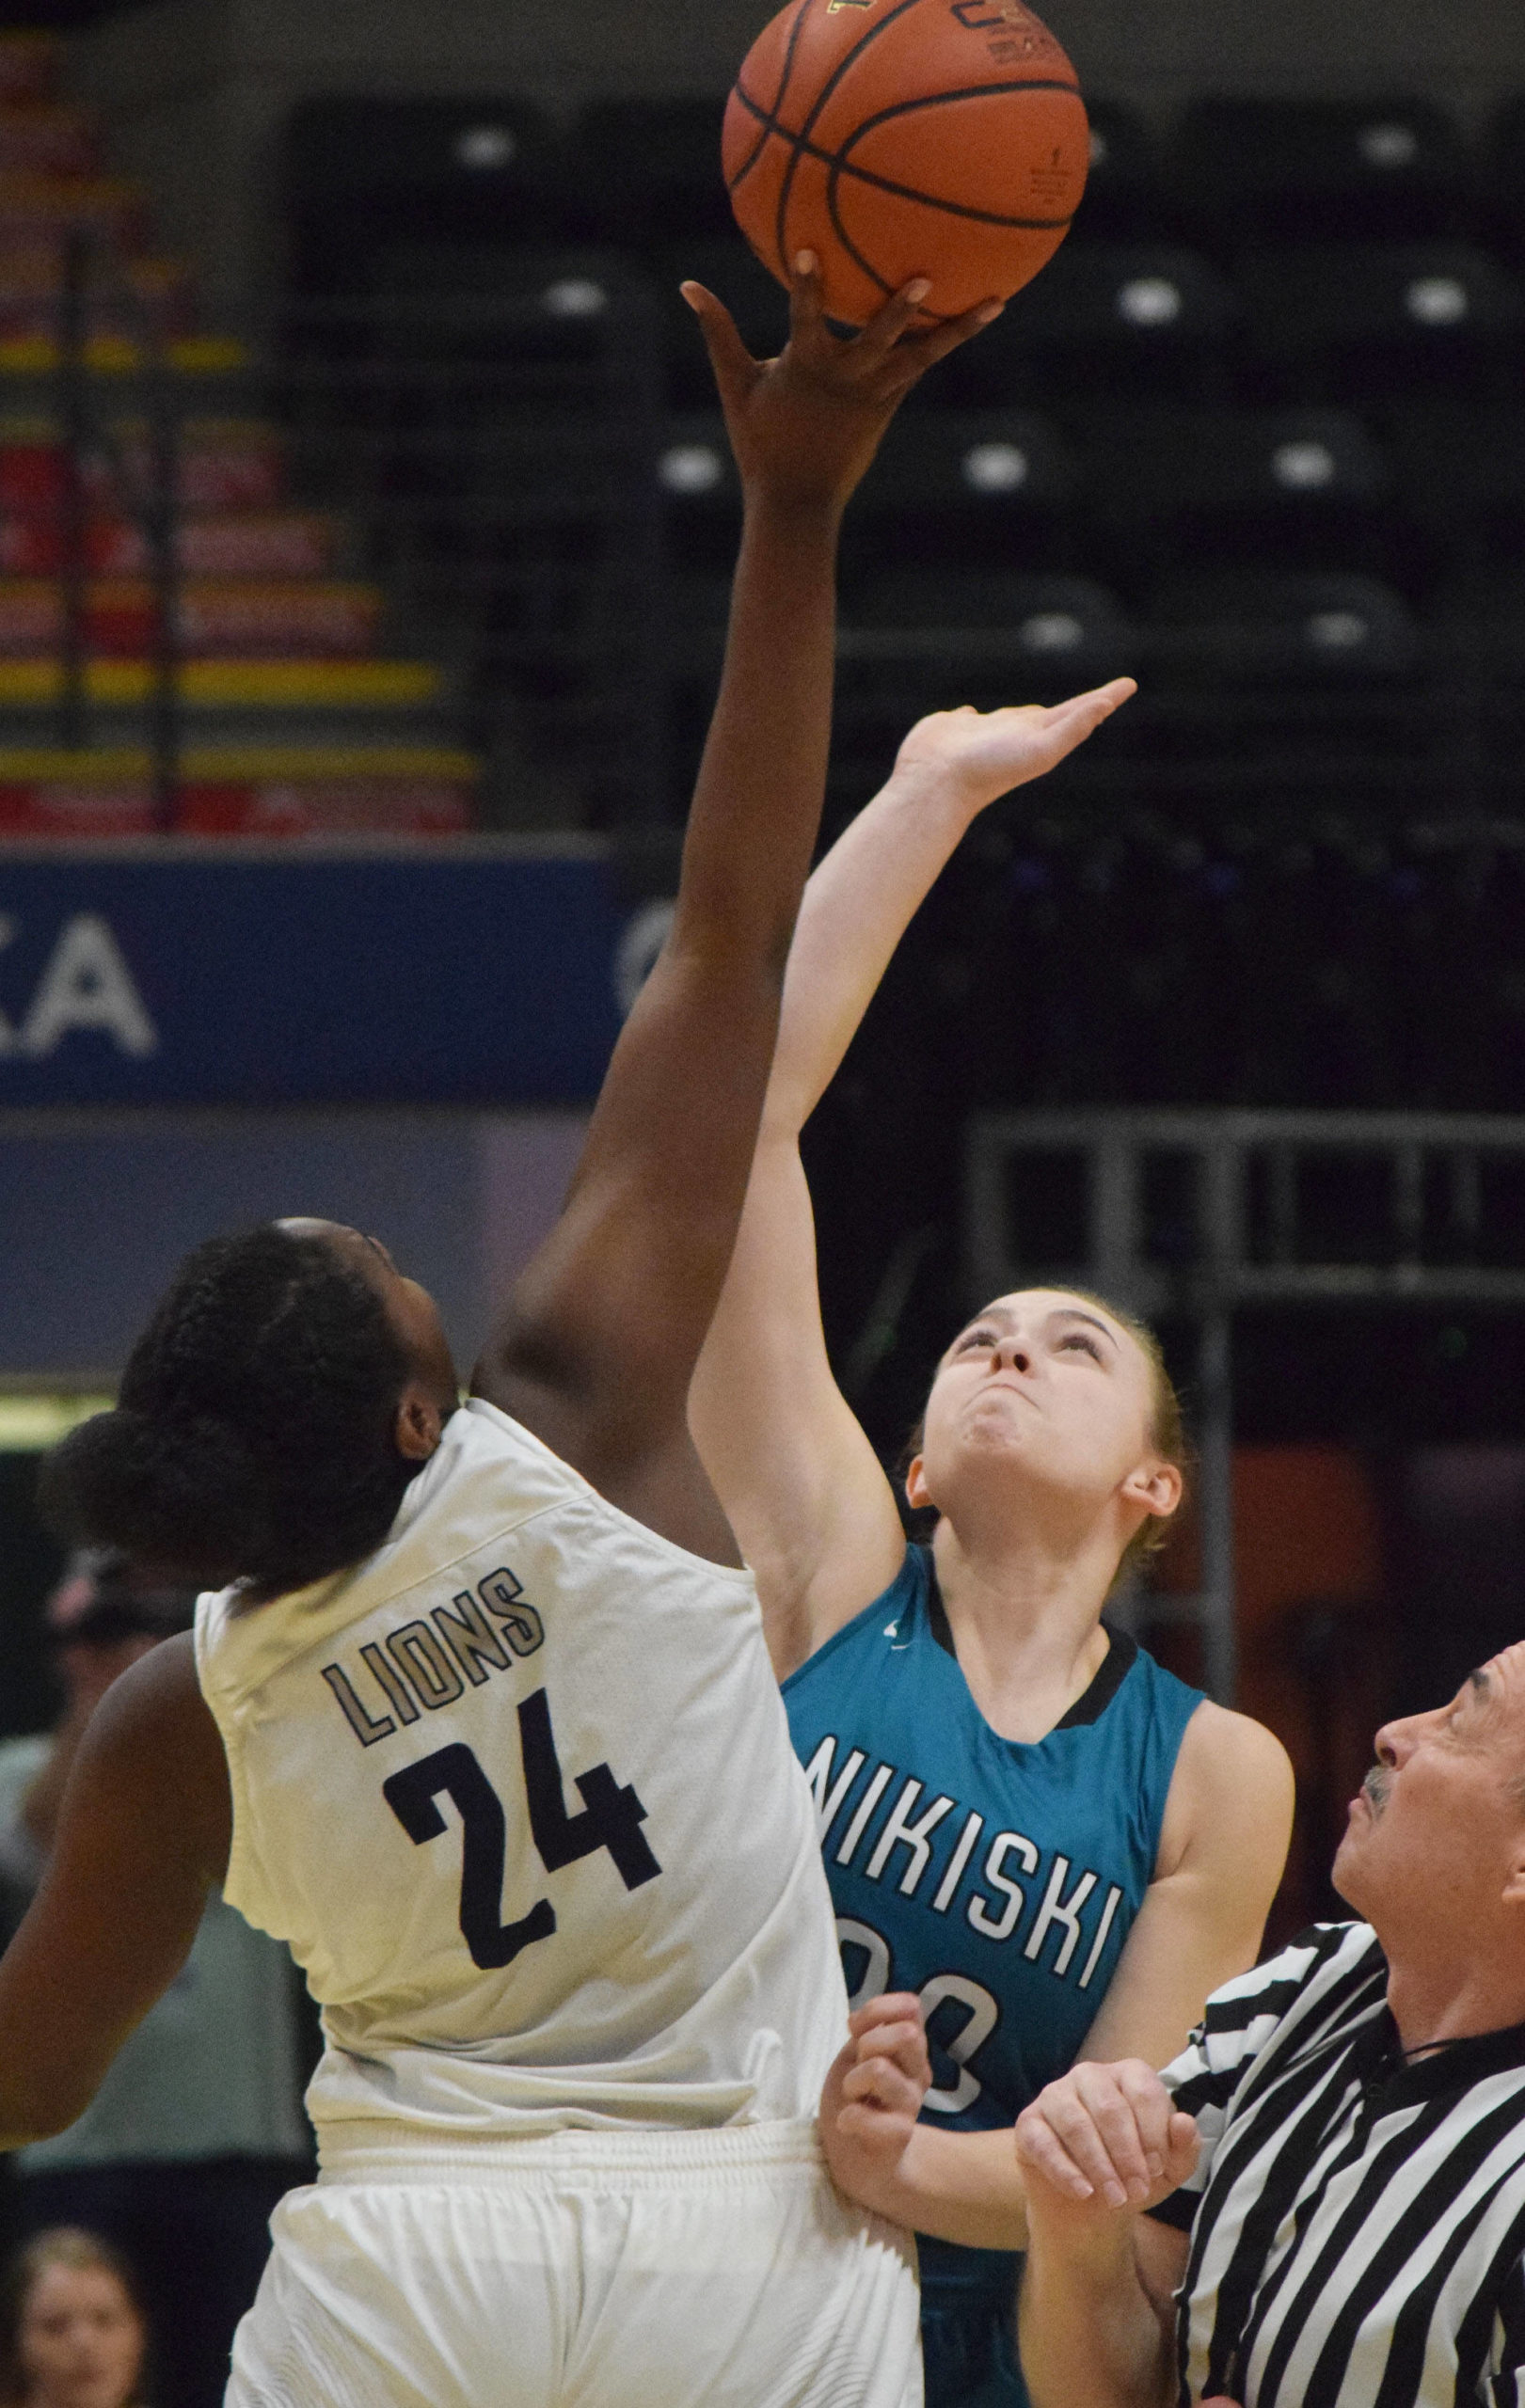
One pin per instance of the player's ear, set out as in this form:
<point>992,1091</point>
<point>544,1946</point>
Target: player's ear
<point>418,1424</point>
<point>1156,1486</point>
<point>917,1494</point>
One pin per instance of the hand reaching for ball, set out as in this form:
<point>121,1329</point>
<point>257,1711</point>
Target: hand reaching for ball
<point>805,426</point>
<point>979,756</point>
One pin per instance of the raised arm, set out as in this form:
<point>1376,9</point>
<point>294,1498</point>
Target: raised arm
<point>801,1487</point>
<point>601,1334</point>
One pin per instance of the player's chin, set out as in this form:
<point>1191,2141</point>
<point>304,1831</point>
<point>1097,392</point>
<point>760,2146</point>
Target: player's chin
<point>1003,1423</point>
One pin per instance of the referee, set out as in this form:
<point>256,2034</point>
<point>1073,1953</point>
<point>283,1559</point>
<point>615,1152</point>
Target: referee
<point>1322,2203</point>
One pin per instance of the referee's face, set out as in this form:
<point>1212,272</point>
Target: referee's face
<point>1437,1835</point>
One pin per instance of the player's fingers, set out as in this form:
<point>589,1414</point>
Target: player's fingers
<point>890,325</point>
<point>918,353</point>
<point>1102,701</point>
<point>1154,2112</point>
<point>1100,2091</point>
<point>1068,725</point>
<point>809,330</point>
<point>882,2083</point>
<point>735,370</point>
<point>904,2044</point>
<point>1182,2149</point>
<point>891,2025</point>
<point>1042,2151</point>
<point>1075,2127</point>
<point>1114,2114</point>
<point>891,2007</point>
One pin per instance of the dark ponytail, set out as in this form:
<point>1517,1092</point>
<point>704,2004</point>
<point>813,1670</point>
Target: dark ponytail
<point>254,1436</point>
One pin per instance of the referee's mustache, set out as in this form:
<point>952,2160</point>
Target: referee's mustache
<point>1376,1786</point>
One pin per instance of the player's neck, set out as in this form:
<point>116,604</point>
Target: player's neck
<point>1025,1615</point>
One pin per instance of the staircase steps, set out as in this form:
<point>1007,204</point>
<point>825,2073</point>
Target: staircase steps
<point>294,722</point>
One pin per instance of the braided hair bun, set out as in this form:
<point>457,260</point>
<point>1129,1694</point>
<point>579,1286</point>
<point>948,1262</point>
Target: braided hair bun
<point>254,1439</point>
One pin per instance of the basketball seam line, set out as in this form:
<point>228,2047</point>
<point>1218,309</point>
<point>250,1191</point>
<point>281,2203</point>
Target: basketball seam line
<point>787,190</point>
<point>743,173</point>
<point>803,149</point>
<point>851,246</point>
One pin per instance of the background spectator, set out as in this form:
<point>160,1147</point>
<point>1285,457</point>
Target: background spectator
<point>73,2332</point>
<point>197,2128</point>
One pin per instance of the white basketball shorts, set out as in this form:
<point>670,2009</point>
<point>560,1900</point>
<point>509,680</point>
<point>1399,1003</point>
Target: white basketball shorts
<point>585,2270</point>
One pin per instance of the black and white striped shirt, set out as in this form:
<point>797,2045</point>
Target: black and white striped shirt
<point>1356,2222</point>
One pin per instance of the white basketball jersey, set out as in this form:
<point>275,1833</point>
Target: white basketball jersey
<point>518,1791</point>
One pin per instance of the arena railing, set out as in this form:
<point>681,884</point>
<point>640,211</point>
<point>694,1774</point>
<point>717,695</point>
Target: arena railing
<point>1193,1215</point>
<point>496,453</point>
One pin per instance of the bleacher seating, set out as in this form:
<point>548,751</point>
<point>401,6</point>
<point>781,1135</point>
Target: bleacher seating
<point>1103,317</point>
<point>1124,197</point>
<point>643,173</point>
<point>1247,171</point>
<point>1506,173</point>
<point>1048,624</point>
<point>1285,628</point>
<point>293,718</point>
<point>1285,342</point>
<point>1338,321</point>
<point>366,176</point>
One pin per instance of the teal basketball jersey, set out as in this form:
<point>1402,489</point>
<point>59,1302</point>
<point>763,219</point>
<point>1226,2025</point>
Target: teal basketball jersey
<point>996,1879</point>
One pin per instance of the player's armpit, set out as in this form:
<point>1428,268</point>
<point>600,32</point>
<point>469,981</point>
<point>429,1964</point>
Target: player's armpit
<point>142,1838</point>
<point>1223,1845</point>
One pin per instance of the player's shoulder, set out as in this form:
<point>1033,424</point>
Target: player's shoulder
<point>153,1751</point>
<point>896,1616</point>
<point>1225,1745</point>
<point>1132,1673</point>
<point>1230,1772</point>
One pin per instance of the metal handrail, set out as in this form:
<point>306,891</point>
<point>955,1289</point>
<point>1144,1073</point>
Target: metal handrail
<point>1222,1268</point>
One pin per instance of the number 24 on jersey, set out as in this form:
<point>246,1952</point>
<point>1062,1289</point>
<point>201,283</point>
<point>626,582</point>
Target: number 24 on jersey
<point>611,1819</point>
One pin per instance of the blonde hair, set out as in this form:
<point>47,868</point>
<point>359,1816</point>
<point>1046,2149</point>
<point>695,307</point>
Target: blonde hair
<point>81,2253</point>
<point>1166,1430</point>
<point>1167,1427</point>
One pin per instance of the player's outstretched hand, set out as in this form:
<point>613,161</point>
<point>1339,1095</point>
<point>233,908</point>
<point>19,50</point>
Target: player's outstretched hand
<point>873,2094</point>
<point>979,756</point>
<point>805,426</point>
<point>1104,2140</point>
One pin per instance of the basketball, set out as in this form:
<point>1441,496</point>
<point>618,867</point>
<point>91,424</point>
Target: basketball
<point>897,138</point>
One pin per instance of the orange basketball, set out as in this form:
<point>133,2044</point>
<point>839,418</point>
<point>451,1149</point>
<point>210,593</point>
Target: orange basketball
<point>896,138</point>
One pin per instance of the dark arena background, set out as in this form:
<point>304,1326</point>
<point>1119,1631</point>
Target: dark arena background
<point>365,528</point>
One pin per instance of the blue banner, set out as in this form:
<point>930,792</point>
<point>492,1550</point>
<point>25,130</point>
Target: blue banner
<point>476,976</point>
